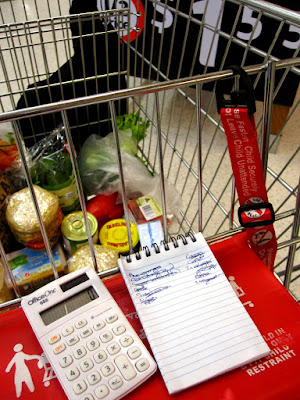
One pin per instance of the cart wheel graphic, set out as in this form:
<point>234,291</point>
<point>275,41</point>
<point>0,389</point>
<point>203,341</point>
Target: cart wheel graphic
<point>49,373</point>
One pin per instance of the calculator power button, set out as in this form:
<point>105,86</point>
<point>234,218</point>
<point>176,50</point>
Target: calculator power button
<point>59,348</point>
<point>54,339</point>
<point>125,367</point>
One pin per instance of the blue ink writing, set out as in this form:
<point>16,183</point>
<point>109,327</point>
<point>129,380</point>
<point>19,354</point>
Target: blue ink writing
<point>204,271</point>
<point>196,255</point>
<point>141,282</point>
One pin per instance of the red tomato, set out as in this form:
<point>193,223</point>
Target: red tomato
<point>104,208</point>
<point>8,153</point>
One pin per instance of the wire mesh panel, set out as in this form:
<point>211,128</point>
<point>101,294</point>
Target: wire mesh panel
<point>83,64</point>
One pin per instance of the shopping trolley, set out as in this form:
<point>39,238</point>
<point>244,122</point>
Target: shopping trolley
<point>81,64</point>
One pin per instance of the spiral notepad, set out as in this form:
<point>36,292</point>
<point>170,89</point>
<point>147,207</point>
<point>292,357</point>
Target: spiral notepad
<point>194,322</point>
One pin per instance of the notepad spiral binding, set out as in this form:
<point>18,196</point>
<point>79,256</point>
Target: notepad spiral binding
<point>164,244</point>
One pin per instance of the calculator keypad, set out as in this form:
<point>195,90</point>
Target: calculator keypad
<point>97,360</point>
<point>73,340</point>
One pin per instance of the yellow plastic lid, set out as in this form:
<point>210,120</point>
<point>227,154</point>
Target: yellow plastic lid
<point>114,235</point>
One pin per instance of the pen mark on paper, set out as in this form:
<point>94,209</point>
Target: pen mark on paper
<point>204,270</point>
<point>142,281</point>
<point>195,257</point>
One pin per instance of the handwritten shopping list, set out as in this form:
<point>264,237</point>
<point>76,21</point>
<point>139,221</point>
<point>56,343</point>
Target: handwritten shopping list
<point>195,324</point>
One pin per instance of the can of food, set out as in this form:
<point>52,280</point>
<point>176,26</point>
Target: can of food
<point>113,234</point>
<point>106,258</point>
<point>74,231</point>
<point>23,221</point>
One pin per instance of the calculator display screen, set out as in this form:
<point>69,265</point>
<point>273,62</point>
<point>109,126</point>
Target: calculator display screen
<point>65,307</point>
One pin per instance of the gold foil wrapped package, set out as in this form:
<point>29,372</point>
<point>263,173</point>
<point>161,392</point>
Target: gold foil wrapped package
<point>23,221</point>
<point>106,258</point>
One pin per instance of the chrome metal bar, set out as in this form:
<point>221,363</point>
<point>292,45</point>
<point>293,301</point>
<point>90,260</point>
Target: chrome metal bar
<point>79,187</point>
<point>11,303</point>
<point>199,138</point>
<point>290,194</point>
<point>121,173</point>
<point>288,243</point>
<point>185,37</point>
<point>217,204</point>
<point>142,90</point>
<point>272,10</point>
<point>293,19</point>
<point>17,302</point>
<point>161,168</point>
<point>292,248</point>
<point>216,170</point>
<point>8,271</point>
<point>25,166</point>
<point>231,214</point>
<point>267,114</point>
<point>187,140</point>
<point>277,176</point>
<point>181,116</point>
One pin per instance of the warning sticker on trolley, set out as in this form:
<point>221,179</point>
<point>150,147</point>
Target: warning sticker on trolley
<point>254,213</point>
<point>149,208</point>
<point>262,237</point>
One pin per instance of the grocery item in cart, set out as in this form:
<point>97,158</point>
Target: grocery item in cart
<point>32,269</point>
<point>106,258</point>
<point>23,221</point>
<point>5,191</point>
<point>5,294</point>
<point>98,161</point>
<point>8,149</point>
<point>99,171</point>
<point>114,235</point>
<point>150,233</point>
<point>146,209</point>
<point>74,231</point>
<point>52,169</point>
<point>105,208</point>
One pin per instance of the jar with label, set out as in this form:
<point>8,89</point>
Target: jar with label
<point>59,178</point>
<point>67,194</point>
<point>114,235</point>
<point>52,169</point>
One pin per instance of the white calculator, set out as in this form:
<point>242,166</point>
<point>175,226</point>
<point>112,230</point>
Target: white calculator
<point>92,348</point>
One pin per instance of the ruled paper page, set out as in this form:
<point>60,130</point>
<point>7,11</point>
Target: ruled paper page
<point>195,324</point>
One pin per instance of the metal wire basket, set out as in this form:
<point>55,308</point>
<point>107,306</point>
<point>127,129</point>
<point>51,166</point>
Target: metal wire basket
<point>83,64</point>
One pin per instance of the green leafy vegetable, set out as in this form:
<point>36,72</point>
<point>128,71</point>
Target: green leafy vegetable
<point>52,169</point>
<point>51,162</point>
<point>134,122</point>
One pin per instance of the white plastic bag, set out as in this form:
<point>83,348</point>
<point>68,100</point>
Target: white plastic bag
<point>98,165</point>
